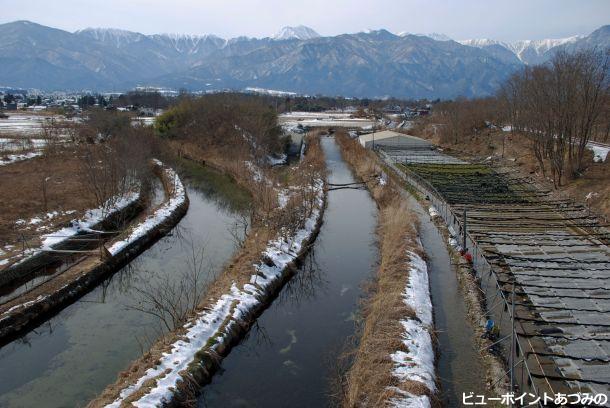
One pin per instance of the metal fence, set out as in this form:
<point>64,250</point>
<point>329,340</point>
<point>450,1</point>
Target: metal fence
<point>519,367</point>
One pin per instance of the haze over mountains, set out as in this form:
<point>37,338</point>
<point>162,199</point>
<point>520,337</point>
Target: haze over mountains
<point>368,64</point>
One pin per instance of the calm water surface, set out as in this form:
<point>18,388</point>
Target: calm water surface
<point>459,366</point>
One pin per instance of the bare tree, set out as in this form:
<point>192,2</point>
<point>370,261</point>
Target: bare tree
<point>170,299</point>
<point>113,168</point>
<point>560,106</point>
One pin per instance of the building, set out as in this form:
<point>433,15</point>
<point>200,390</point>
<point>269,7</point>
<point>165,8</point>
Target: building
<point>389,139</point>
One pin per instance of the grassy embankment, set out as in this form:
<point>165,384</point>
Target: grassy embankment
<point>370,382</point>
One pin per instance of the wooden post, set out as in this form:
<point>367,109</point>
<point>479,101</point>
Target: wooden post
<point>464,231</point>
<point>512,342</point>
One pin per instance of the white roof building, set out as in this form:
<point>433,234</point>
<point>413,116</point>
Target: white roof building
<point>369,138</point>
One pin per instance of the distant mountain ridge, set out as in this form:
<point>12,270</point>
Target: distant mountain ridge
<point>530,52</point>
<point>300,33</point>
<point>368,64</point>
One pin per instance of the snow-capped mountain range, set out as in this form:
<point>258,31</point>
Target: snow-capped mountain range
<point>375,63</point>
<point>187,42</point>
<point>528,51</point>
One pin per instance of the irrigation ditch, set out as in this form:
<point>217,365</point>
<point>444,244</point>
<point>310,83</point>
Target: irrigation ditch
<point>173,369</point>
<point>462,366</point>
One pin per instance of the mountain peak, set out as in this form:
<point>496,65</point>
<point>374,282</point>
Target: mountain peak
<point>300,32</point>
<point>434,36</point>
<point>116,36</point>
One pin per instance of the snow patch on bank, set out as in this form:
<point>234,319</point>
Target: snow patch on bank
<point>14,158</point>
<point>417,363</point>
<point>277,161</point>
<point>283,197</point>
<point>257,173</point>
<point>91,218</point>
<point>600,152</point>
<point>159,216</point>
<point>453,239</point>
<point>213,324</point>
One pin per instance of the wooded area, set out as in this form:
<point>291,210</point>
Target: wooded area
<point>559,106</point>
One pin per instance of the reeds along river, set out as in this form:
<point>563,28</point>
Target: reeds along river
<point>290,357</point>
<point>73,356</point>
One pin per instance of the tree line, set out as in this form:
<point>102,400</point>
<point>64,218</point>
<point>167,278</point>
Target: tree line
<point>559,106</point>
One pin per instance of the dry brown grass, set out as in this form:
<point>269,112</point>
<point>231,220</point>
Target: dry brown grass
<point>21,194</point>
<point>369,380</point>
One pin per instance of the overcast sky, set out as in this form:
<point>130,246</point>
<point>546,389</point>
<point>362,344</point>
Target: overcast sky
<point>506,20</point>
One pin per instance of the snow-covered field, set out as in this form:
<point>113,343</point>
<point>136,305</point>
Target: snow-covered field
<point>21,124</point>
<point>213,324</point>
<point>26,124</point>
<point>13,158</point>
<point>19,144</point>
<point>143,121</point>
<point>21,137</point>
<point>272,92</point>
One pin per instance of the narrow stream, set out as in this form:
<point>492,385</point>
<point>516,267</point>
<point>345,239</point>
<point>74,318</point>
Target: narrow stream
<point>459,366</point>
<point>73,356</point>
<point>289,358</point>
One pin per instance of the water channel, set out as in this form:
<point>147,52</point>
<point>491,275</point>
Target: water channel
<point>459,367</point>
<point>289,358</point>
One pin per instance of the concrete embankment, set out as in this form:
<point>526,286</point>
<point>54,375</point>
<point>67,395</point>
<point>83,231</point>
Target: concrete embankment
<point>21,266</point>
<point>18,315</point>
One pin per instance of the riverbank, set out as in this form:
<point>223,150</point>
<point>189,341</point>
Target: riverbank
<point>46,299</point>
<point>181,362</point>
<point>394,361</point>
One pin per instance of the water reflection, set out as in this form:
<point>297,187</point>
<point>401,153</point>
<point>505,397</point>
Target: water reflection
<point>307,280</point>
<point>220,188</point>
<point>73,356</point>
